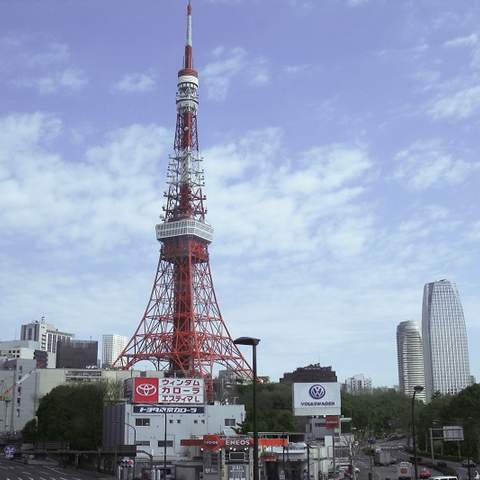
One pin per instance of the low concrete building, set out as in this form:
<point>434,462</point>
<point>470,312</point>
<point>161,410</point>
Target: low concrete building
<point>22,385</point>
<point>145,426</point>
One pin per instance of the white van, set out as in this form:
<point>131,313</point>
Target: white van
<point>444,477</point>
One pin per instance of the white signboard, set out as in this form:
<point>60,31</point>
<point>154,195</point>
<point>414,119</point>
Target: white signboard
<point>320,398</point>
<point>453,434</point>
<point>181,391</point>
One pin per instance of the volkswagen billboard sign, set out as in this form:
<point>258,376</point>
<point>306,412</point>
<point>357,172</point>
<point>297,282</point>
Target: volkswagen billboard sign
<point>319,398</point>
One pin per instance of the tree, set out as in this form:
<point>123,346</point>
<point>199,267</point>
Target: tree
<point>379,412</point>
<point>274,407</point>
<point>73,414</point>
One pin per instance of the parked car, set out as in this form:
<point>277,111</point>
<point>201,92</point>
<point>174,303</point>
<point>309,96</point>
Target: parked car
<point>425,473</point>
<point>467,462</point>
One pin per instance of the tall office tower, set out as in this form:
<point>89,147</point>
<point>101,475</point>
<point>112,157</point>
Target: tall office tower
<point>112,347</point>
<point>410,358</point>
<point>445,348</point>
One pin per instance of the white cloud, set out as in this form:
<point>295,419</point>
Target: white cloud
<point>135,82</point>
<point>464,41</point>
<point>272,196</point>
<point>69,79</point>
<point>229,64</point>
<point>54,53</point>
<point>91,201</point>
<point>427,164</point>
<point>356,3</point>
<point>44,67</point>
<point>294,69</point>
<point>459,105</point>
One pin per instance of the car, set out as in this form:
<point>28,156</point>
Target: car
<point>467,462</point>
<point>425,473</point>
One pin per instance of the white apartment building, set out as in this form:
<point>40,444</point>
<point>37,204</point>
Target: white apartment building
<point>410,358</point>
<point>45,334</point>
<point>445,346</point>
<point>358,384</point>
<point>112,347</point>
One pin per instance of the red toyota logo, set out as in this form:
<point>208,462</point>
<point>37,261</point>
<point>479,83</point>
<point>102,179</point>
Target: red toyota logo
<point>146,389</point>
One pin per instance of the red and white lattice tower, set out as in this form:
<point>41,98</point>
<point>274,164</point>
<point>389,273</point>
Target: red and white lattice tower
<point>182,330</point>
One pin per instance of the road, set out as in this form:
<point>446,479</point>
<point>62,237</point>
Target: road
<point>13,470</point>
<point>381,473</point>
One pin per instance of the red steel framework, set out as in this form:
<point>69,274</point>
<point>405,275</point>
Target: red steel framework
<point>182,330</point>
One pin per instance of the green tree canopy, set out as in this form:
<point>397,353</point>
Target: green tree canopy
<point>73,414</point>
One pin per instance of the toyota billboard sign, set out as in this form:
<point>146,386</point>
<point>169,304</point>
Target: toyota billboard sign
<point>181,390</point>
<point>171,391</point>
<point>319,398</point>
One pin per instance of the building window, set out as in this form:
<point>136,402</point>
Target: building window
<point>162,444</point>
<point>170,421</point>
<point>203,421</point>
<point>229,422</point>
<point>143,443</point>
<point>179,421</point>
<point>195,421</point>
<point>142,422</point>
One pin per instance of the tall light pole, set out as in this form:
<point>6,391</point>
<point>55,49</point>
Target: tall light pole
<point>416,389</point>
<point>253,342</point>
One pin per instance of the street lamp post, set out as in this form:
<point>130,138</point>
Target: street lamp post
<point>416,389</point>
<point>165,444</point>
<point>253,342</point>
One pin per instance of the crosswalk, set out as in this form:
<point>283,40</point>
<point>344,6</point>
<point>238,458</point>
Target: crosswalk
<point>11,470</point>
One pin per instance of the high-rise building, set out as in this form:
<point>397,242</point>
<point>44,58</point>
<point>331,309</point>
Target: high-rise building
<point>445,347</point>
<point>358,384</point>
<point>112,347</point>
<point>410,358</point>
<point>45,334</point>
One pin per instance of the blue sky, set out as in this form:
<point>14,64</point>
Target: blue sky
<point>340,140</point>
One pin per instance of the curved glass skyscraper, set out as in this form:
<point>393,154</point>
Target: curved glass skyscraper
<point>410,358</point>
<point>445,348</point>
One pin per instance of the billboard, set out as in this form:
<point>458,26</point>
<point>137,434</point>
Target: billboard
<point>319,398</point>
<point>181,390</point>
<point>168,391</point>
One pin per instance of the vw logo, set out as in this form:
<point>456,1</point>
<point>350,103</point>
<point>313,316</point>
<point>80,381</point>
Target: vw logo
<point>146,389</point>
<point>317,392</point>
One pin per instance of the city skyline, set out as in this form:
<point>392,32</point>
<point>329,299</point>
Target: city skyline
<point>340,166</point>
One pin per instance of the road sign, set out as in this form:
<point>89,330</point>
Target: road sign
<point>453,434</point>
<point>9,451</point>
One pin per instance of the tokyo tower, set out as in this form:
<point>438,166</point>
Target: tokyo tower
<point>182,330</point>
